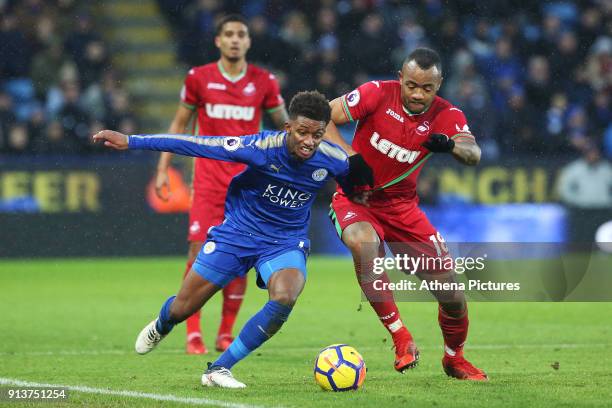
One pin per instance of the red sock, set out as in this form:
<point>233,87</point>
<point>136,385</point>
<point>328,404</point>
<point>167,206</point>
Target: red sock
<point>193,321</point>
<point>454,331</point>
<point>233,293</point>
<point>381,300</point>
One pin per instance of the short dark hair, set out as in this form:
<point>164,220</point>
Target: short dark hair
<point>310,104</point>
<point>425,58</point>
<point>230,18</point>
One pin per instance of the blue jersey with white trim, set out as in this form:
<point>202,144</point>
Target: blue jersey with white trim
<point>272,198</point>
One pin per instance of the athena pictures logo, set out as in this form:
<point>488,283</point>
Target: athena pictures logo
<point>319,174</point>
<point>352,99</point>
<point>231,143</point>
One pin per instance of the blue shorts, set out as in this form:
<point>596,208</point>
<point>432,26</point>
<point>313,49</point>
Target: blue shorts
<point>229,253</point>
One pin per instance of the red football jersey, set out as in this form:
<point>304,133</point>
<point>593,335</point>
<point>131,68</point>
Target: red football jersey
<point>227,107</point>
<point>389,137</point>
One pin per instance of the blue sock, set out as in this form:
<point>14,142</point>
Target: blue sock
<point>164,323</point>
<point>255,332</point>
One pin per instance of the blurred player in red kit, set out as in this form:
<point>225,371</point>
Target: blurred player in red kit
<point>228,96</point>
<point>401,124</point>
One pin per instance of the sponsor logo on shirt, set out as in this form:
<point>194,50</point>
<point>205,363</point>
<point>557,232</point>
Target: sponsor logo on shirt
<point>223,111</point>
<point>352,99</point>
<point>286,196</point>
<point>392,150</point>
<point>249,89</point>
<point>395,115</point>
<point>423,128</point>
<point>319,174</point>
<point>215,85</point>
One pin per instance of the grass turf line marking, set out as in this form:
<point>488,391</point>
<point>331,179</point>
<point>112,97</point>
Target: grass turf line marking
<point>371,348</point>
<point>131,394</point>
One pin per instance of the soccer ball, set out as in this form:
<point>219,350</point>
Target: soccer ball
<point>339,368</point>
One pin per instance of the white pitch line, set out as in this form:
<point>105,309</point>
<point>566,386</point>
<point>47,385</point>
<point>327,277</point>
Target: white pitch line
<point>131,394</point>
<point>305,349</point>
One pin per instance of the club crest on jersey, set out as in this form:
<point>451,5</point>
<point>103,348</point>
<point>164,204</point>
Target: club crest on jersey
<point>231,143</point>
<point>392,150</point>
<point>319,174</point>
<point>223,111</point>
<point>249,89</point>
<point>209,247</point>
<point>352,99</point>
<point>423,128</point>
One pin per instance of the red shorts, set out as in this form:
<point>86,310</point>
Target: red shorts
<point>401,225</point>
<point>207,210</point>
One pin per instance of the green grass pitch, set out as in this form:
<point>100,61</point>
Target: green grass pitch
<point>74,322</point>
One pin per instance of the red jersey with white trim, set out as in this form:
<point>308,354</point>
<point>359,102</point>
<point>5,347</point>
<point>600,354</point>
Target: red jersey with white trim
<point>227,107</point>
<point>389,137</point>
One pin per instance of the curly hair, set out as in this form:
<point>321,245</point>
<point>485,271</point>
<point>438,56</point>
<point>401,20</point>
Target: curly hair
<point>310,104</point>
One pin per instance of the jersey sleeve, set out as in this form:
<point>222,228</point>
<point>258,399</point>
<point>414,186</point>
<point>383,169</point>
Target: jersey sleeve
<point>243,149</point>
<point>190,96</point>
<point>452,123</point>
<point>273,99</point>
<point>362,101</point>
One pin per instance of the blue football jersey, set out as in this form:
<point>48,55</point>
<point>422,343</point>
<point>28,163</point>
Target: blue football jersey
<point>273,196</point>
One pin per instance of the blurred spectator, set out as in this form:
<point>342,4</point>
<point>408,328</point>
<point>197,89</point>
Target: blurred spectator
<point>15,51</point>
<point>74,119</point>
<point>555,119</point>
<point>7,119</point>
<point>517,125</point>
<point>47,68</point>
<point>371,47</point>
<point>564,59</point>
<point>78,40</point>
<point>54,141</point>
<point>587,182</point>
<point>18,139</point>
<point>538,84</point>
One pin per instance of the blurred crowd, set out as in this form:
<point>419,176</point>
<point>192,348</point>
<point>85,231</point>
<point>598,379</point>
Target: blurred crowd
<point>531,76</point>
<point>57,85</point>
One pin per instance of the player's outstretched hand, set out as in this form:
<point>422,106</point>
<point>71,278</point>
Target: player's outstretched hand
<point>360,174</point>
<point>112,139</point>
<point>439,143</point>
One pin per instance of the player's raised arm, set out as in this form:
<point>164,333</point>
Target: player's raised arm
<point>235,149</point>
